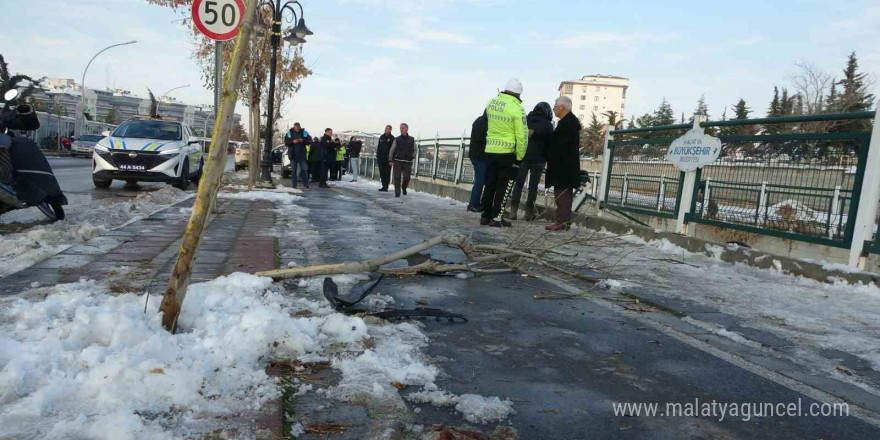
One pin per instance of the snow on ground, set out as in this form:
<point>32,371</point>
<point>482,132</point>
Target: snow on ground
<point>84,363</point>
<point>812,314</point>
<point>84,221</point>
<point>270,196</point>
<point>474,408</point>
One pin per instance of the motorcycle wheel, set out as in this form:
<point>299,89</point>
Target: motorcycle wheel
<point>59,210</point>
<point>47,210</point>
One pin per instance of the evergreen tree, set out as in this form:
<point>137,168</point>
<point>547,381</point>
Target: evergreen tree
<point>154,104</point>
<point>702,108</point>
<point>612,117</point>
<point>592,137</point>
<point>773,111</point>
<point>831,104</point>
<point>682,118</point>
<point>645,120</point>
<point>854,96</point>
<point>664,114</point>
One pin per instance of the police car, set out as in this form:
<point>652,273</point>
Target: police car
<point>148,150</point>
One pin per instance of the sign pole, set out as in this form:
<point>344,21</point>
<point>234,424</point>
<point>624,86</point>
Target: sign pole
<point>218,75</point>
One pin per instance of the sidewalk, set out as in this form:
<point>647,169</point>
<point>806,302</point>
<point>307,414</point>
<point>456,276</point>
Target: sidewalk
<point>142,254</point>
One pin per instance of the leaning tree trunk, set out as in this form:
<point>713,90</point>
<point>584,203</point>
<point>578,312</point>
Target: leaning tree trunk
<point>210,184</point>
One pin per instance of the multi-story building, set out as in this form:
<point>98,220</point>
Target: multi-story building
<point>596,94</point>
<point>114,106</point>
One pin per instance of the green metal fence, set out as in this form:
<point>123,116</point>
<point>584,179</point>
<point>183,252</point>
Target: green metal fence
<point>792,177</point>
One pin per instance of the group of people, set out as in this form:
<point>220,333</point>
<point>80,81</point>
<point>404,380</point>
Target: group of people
<point>320,160</point>
<point>508,146</point>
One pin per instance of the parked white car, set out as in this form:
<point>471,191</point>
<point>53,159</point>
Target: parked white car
<point>84,145</point>
<point>148,150</point>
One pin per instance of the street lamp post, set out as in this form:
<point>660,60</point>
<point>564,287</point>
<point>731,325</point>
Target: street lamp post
<point>159,104</point>
<point>82,83</point>
<point>296,37</point>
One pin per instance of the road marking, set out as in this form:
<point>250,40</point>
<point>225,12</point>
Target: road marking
<point>859,412</point>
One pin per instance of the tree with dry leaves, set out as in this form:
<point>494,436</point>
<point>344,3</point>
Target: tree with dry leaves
<point>291,69</point>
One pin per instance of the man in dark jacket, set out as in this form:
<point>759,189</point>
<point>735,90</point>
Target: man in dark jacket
<point>563,162</point>
<point>540,122</point>
<point>403,152</point>
<point>315,155</point>
<point>335,160</point>
<point>382,150</point>
<point>297,140</point>
<point>327,154</point>
<point>477,155</point>
<point>354,157</point>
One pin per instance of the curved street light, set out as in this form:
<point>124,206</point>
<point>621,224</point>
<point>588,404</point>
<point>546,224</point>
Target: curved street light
<point>296,37</point>
<point>173,89</point>
<point>82,83</point>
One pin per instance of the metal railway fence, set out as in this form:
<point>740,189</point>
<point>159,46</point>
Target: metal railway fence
<point>446,159</point>
<point>798,184</point>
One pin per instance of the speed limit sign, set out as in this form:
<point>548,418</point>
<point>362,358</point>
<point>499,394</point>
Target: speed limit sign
<point>218,19</point>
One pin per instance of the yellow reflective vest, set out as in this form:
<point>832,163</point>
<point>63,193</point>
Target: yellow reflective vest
<point>508,130</point>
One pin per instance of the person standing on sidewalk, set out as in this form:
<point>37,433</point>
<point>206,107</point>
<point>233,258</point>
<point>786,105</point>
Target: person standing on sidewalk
<point>477,155</point>
<point>505,147</point>
<point>382,159</point>
<point>354,153</point>
<point>540,123</point>
<point>401,156</point>
<point>563,162</point>
<point>297,141</point>
<point>325,151</point>
<point>335,160</point>
<point>315,156</point>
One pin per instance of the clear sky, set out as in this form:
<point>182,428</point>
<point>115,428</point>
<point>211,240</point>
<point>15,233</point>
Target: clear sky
<point>435,63</point>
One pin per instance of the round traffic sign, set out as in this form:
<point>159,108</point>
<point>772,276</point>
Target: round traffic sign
<point>218,19</point>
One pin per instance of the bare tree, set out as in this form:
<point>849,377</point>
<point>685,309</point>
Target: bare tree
<point>812,85</point>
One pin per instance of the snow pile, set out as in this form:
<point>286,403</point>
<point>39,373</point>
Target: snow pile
<point>270,196</point>
<point>396,357</point>
<point>84,221</point>
<point>793,211</point>
<point>84,363</point>
<point>474,408</point>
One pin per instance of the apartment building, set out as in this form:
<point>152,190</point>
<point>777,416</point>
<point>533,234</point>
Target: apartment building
<point>596,94</point>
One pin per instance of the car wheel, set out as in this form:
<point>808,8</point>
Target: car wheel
<point>183,180</point>
<point>103,184</point>
<point>198,177</point>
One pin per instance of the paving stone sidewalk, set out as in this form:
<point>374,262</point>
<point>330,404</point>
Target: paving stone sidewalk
<point>140,255</point>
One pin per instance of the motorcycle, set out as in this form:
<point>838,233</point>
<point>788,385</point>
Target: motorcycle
<point>33,184</point>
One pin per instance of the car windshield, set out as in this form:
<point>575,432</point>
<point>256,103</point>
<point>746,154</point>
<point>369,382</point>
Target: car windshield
<point>90,138</point>
<point>161,130</point>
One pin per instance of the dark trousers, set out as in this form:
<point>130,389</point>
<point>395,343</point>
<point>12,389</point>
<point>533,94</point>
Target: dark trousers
<point>384,173</point>
<point>321,171</point>
<point>336,170</point>
<point>402,172</point>
<point>499,172</point>
<point>533,171</point>
<point>315,170</point>
<point>479,182</point>
<point>564,198</point>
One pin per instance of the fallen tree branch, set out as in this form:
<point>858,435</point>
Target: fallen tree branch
<point>434,268</point>
<point>362,266</point>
